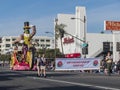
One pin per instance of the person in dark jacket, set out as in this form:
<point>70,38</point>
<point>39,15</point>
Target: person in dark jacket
<point>43,65</point>
<point>118,67</point>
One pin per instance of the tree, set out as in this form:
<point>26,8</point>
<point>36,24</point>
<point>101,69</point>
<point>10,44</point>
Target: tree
<point>5,57</point>
<point>59,33</point>
<point>50,53</point>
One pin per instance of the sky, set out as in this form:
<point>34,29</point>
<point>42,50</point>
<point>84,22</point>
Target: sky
<point>13,14</point>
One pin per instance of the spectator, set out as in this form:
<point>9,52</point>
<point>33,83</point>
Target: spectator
<point>103,65</point>
<point>118,67</point>
<point>43,66</point>
<point>38,65</point>
<point>108,59</point>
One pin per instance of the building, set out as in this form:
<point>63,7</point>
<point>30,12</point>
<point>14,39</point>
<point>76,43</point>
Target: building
<point>76,36</point>
<point>43,42</point>
<point>74,28</point>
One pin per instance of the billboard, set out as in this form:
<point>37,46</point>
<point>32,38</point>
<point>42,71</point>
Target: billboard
<point>112,25</point>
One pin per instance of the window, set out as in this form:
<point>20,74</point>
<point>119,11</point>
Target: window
<point>19,44</point>
<point>13,39</point>
<point>47,40</point>
<point>37,40</point>
<point>13,45</point>
<point>7,39</point>
<point>7,45</point>
<point>42,45</point>
<point>42,40</point>
<point>48,45</point>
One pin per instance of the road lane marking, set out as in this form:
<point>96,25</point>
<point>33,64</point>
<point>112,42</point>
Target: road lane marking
<point>74,83</point>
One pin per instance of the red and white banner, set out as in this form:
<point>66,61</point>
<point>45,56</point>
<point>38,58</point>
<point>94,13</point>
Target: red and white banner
<point>112,25</point>
<point>77,64</point>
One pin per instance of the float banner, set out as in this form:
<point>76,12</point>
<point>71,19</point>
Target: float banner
<point>77,63</point>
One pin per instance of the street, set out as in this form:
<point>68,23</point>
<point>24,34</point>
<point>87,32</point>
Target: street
<point>28,80</point>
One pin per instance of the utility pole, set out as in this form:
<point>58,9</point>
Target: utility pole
<point>84,39</point>
<point>56,21</point>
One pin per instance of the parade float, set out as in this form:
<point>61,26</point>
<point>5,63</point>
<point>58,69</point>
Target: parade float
<point>24,59</point>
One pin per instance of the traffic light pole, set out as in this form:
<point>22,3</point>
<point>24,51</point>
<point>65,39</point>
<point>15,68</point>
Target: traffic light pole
<point>56,20</point>
<point>83,48</point>
<point>85,35</point>
<point>84,21</point>
<point>75,37</point>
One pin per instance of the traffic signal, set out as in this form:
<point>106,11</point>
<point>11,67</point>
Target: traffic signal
<point>106,46</point>
<point>85,48</point>
<point>84,45</point>
<point>117,46</point>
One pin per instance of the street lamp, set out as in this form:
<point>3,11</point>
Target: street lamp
<point>52,35</point>
<point>54,41</point>
<point>56,22</point>
<point>84,39</point>
<point>84,21</point>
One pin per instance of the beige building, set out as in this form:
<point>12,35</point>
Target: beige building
<point>43,42</point>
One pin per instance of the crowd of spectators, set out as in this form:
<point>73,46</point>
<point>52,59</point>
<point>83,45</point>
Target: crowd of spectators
<point>108,66</point>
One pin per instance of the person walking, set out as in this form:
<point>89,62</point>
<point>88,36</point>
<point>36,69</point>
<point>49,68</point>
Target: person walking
<point>38,65</point>
<point>43,65</point>
<point>108,63</point>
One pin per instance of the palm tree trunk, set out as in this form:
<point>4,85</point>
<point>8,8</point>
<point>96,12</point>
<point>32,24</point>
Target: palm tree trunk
<point>62,46</point>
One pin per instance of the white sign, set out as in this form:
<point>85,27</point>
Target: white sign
<point>77,63</point>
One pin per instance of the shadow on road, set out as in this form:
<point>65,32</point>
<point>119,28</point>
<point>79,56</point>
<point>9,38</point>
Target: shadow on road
<point>9,87</point>
<point>48,88</point>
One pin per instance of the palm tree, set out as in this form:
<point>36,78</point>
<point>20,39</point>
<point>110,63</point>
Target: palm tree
<point>59,33</point>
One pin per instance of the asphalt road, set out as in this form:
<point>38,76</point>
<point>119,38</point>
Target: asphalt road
<point>27,80</point>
